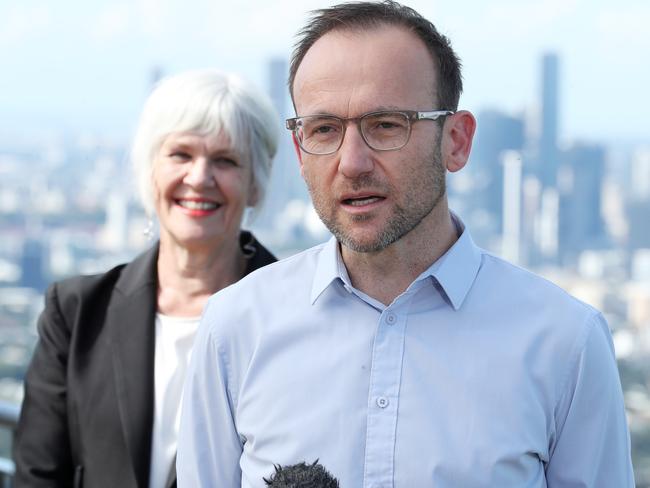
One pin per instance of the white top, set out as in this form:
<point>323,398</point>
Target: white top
<point>479,375</point>
<point>174,338</point>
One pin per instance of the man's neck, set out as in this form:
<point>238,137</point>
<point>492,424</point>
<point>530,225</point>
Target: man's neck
<point>386,274</point>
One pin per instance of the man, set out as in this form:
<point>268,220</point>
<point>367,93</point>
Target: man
<point>398,353</point>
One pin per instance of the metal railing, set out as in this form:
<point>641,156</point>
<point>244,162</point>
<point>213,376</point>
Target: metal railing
<point>8,419</point>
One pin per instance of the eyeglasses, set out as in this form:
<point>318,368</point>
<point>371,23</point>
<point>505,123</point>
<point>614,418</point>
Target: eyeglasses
<point>381,131</point>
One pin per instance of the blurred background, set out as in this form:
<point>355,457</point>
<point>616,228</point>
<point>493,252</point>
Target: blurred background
<point>558,182</point>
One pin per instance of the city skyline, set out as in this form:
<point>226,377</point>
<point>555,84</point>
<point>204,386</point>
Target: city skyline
<point>67,204</point>
<point>82,68</point>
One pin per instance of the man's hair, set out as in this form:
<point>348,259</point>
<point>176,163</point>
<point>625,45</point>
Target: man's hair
<point>369,15</point>
<point>302,475</point>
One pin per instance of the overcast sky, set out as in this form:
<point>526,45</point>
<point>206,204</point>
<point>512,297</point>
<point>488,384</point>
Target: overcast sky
<point>85,66</point>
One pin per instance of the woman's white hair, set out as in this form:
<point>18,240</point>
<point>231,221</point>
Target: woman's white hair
<point>207,102</point>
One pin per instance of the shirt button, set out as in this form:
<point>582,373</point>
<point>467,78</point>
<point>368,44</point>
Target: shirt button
<point>382,402</point>
<point>390,319</point>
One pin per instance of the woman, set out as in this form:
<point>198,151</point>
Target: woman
<point>103,388</point>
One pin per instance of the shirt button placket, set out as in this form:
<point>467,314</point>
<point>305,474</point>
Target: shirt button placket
<point>383,401</point>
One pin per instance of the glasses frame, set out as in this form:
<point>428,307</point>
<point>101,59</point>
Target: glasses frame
<point>411,116</point>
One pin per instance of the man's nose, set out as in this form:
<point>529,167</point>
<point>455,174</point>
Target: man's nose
<point>355,157</point>
<point>199,173</point>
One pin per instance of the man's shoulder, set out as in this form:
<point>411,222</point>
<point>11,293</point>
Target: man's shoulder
<point>519,285</point>
<point>292,275</point>
<point>288,271</point>
<point>241,314</point>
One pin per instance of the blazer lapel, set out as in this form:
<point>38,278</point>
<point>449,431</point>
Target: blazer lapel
<point>171,476</point>
<point>132,316</point>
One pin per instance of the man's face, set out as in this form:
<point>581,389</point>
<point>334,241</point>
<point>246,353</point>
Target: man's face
<point>370,199</point>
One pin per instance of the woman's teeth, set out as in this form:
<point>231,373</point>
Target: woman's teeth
<point>194,205</point>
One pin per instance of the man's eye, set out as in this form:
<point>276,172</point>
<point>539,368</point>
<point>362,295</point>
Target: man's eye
<point>386,124</point>
<point>324,129</point>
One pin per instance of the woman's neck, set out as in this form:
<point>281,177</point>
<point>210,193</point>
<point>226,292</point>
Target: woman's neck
<point>187,277</point>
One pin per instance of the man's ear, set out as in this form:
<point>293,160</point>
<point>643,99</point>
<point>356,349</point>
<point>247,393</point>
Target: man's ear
<point>457,137</point>
<point>296,147</point>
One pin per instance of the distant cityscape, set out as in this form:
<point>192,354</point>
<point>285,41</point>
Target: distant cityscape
<point>578,213</point>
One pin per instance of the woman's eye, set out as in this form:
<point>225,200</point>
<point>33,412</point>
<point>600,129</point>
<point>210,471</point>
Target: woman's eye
<point>180,156</point>
<point>225,162</point>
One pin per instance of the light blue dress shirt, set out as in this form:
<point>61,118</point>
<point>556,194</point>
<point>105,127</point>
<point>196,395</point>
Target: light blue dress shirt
<point>480,374</point>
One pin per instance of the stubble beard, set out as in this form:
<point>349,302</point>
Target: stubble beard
<point>428,189</point>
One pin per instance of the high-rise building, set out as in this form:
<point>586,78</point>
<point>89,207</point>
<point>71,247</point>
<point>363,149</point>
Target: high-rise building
<point>637,203</point>
<point>32,264</point>
<point>286,183</point>
<point>278,90</point>
<point>542,240</point>
<point>580,182</point>
<point>497,133</point>
<point>548,160</point>
<point>512,206</point>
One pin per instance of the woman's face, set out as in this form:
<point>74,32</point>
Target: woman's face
<point>201,188</point>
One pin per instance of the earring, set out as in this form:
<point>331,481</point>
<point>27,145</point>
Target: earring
<point>248,248</point>
<point>247,217</point>
<point>148,230</point>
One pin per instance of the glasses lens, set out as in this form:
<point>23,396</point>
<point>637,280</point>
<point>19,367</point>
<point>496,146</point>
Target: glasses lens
<point>319,134</point>
<point>385,130</point>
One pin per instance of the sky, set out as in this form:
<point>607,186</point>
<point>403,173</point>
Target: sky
<point>84,67</point>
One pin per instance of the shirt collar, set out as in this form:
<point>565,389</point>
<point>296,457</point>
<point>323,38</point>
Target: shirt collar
<point>454,271</point>
<point>329,267</point>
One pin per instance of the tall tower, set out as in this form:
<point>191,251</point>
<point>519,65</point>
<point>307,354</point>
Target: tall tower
<point>33,265</point>
<point>512,196</point>
<point>580,182</point>
<point>278,71</point>
<point>545,239</point>
<point>548,151</point>
<point>638,200</point>
<point>286,183</point>
<point>497,132</point>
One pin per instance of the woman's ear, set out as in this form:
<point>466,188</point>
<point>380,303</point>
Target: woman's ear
<point>253,195</point>
<point>457,136</point>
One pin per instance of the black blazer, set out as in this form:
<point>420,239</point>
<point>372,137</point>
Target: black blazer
<point>87,416</point>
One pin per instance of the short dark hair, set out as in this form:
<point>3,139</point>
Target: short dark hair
<point>302,475</point>
<point>368,15</point>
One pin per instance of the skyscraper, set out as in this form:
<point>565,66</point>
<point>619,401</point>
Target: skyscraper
<point>548,151</point>
<point>32,264</point>
<point>497,132</point>
<point>638,201</point>
<point>285,184</point>
<point>581,225</point>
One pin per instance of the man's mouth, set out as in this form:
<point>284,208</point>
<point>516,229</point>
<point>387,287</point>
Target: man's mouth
<point>359,202</point>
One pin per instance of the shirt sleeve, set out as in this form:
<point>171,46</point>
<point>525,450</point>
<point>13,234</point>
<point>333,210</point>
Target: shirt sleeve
<point>592,447</point>
<point>41,449</point>
<point>209,447</point>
